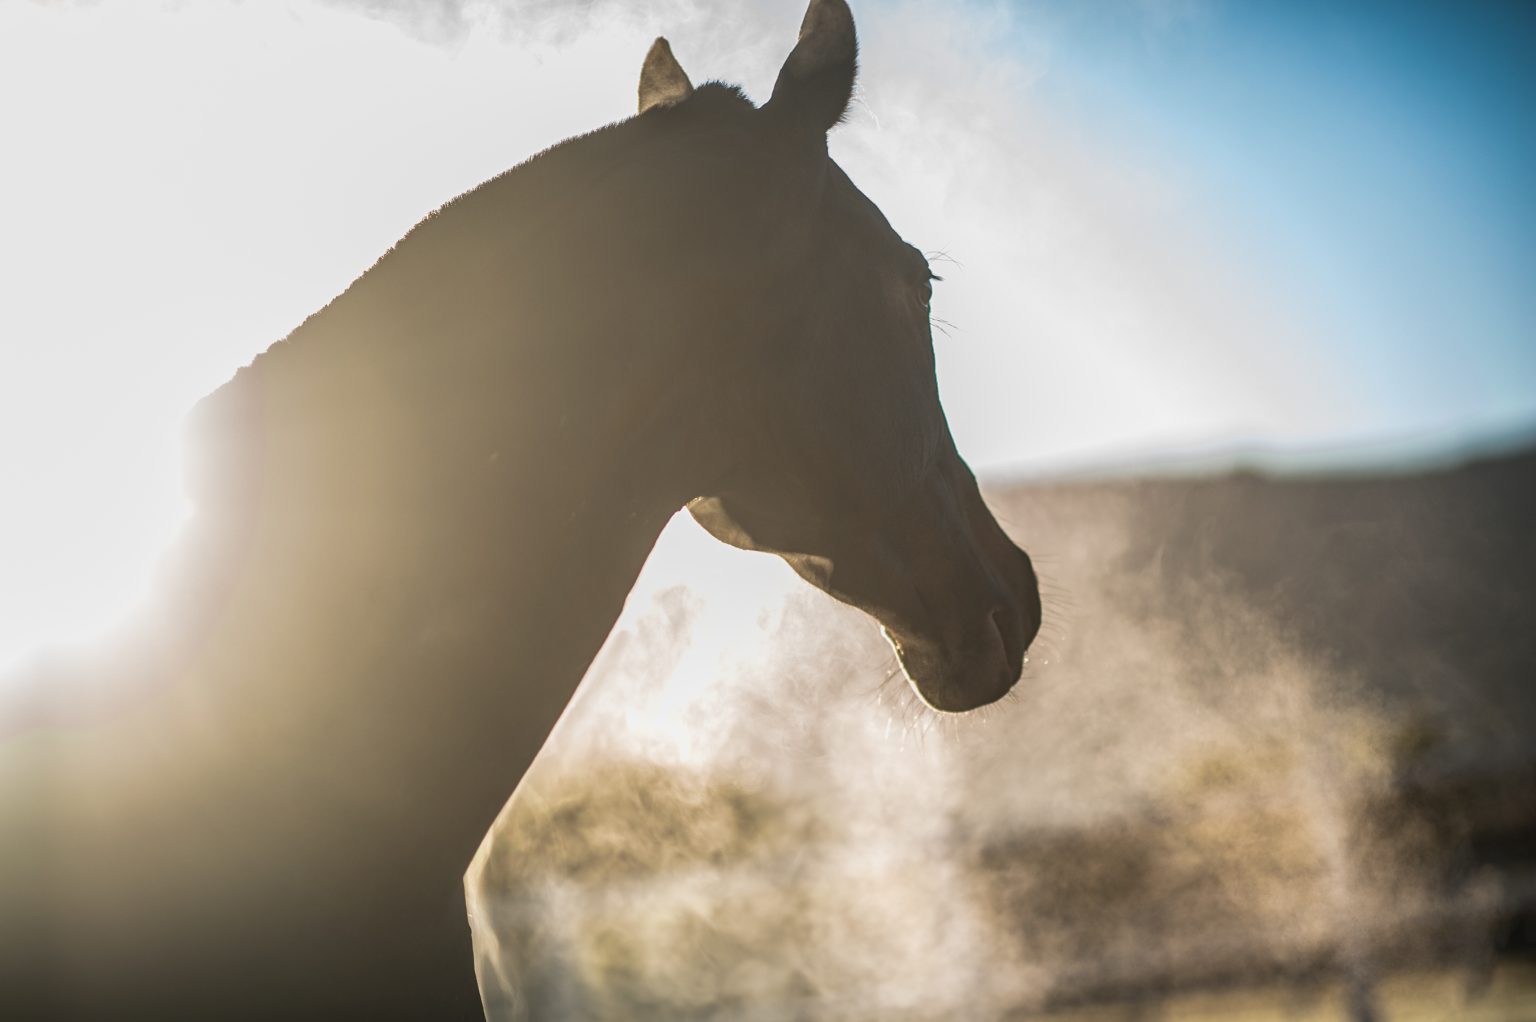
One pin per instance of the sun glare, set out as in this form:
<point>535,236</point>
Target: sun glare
<point>80,551</point>
<point>182,186</point>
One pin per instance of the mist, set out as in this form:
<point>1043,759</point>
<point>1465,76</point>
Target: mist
<point>1218,776</point>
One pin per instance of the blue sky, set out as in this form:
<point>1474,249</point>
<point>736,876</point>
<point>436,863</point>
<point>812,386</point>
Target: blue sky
<point>1380,156</point>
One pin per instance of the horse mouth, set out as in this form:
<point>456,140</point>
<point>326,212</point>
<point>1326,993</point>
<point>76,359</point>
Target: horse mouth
<point>961,678</point>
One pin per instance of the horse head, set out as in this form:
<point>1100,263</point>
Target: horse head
<point>823,428</point>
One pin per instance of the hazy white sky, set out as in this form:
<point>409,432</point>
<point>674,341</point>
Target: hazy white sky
<point>183,183</point>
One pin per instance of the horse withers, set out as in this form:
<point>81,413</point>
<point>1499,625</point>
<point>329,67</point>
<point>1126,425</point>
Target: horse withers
<point>417,518</point>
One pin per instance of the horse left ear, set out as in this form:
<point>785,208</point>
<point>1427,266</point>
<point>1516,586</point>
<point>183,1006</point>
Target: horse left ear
<point>816,82</point>
<point>663,82</point>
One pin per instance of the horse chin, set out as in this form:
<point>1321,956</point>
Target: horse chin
<point>947,684</point>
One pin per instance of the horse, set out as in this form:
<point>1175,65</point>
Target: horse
<point>418,517</point>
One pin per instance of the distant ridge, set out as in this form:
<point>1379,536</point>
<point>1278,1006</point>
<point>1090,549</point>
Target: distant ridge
<point>1411,454</point>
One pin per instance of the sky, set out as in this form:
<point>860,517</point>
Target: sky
<point>1375,159</point>
<point>1164,225</point>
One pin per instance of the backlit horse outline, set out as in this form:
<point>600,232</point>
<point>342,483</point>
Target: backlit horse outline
<point>419,516</point>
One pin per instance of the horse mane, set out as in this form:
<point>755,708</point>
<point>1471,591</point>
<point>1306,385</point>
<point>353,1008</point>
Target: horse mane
<point>520,194</point>
<point>463,238</point>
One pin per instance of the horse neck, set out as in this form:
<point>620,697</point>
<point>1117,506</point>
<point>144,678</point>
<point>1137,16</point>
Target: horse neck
<point>382,609</point>
<point>503,575</point>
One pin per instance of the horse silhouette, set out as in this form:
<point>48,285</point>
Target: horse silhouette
<point>417,518</point>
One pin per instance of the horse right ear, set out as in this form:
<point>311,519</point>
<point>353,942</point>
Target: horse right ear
<point>816,82</point>
<point>663,82</point>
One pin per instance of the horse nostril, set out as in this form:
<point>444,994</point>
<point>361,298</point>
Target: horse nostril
<point>1011,630</point>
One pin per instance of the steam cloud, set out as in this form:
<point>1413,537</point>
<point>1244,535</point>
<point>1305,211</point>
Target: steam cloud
<point>745,815</point>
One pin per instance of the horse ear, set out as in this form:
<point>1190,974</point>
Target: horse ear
<point>663,81</point>
<point>816,81</point>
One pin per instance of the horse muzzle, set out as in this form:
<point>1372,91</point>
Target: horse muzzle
<point>970,652</point>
